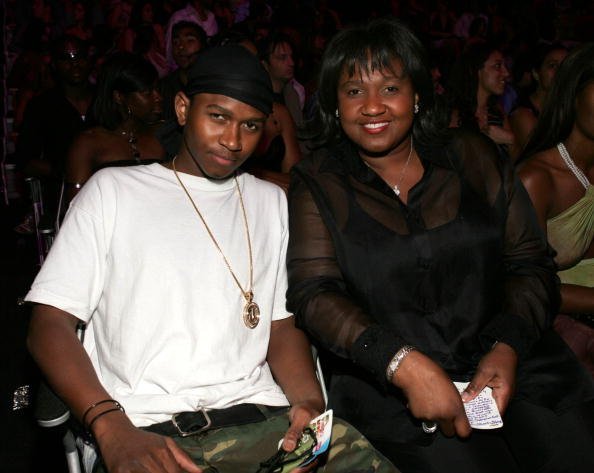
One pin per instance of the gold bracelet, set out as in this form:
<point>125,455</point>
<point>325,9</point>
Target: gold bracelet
<point>397,360</point>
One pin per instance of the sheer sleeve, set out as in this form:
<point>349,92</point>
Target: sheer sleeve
<point>531,296</point>
<point>318,295</point>
<point>531,286</point>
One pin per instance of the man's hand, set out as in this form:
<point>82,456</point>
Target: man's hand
<point>300,416</point>
<point>431,394</point>
<point>127,449</point>
<point>497,369</point>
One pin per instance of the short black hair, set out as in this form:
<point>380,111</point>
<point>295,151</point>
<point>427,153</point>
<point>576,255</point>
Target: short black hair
<point>373,46</point>
<point>195,27</point>
<point>267,45</point>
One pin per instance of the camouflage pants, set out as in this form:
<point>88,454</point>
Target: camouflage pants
<point>242,448</point>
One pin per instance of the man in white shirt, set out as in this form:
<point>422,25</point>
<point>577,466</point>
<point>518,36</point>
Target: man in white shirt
<point>190,359</point>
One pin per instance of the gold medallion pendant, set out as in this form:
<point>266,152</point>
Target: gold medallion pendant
<point>251,311</point>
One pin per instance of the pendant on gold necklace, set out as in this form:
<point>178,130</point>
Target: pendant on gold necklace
<point>251,311</point>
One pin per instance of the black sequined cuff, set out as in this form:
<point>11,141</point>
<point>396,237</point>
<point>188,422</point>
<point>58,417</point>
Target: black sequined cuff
<point>374,349</point>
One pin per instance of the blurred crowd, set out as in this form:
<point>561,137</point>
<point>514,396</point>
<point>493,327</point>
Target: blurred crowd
<point>92,82</point>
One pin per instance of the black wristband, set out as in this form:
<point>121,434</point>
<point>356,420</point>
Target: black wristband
<point>94,405</point>
<point>107,411</point>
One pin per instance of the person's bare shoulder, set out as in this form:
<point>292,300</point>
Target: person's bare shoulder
<point>536,171</point>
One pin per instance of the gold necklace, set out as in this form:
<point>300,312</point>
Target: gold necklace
<point>396,187</point>
<point>251,311</point>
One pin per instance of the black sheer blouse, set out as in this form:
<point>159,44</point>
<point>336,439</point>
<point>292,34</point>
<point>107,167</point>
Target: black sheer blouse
<point>463,264</point>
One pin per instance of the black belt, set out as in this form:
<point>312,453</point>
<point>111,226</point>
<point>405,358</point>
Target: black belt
<point>190,423</point>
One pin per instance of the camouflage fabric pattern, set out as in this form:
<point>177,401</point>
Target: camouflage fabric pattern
<point>243,448</point>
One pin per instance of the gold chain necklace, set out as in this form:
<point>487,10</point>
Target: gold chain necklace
<point>396,187</point>
<point>251,311</point>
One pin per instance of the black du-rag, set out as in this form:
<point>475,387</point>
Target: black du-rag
<point>234,72</point>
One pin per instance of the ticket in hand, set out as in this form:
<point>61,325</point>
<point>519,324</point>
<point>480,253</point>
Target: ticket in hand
<point>322,426</point>
<point>482,411</point>
<point>314,441</point>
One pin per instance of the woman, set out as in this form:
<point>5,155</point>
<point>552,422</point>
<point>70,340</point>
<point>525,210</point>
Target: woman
<point>127,110</point>
<point>145,35</point>
<point>416,260</point>
<point>476,84</point>
<point>557,172</point>
<point>523,118</point>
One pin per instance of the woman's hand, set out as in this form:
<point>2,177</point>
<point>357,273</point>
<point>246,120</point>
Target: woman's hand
<point>431,394</point>
<point>499,134</point>
<point>497,369</point>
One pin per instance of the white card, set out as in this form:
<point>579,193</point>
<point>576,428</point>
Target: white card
<point>482,411</point>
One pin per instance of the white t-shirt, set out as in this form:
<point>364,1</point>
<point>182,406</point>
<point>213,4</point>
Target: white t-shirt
<point>166,332</point>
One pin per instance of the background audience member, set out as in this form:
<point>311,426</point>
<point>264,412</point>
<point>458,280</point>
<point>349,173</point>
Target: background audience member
<point>276,54</point>
<point>187,39</point>
<point>197,12</point>
<point>81,26</point>
<point>30,74</point>
<point>557,169</point>
<point>127,111</point>
<point>144,14</point>
<point>523,118</point>
<point>54,118</point>
<point>476,83</point>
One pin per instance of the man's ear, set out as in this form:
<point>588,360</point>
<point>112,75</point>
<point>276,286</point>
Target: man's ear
<point>181,104</point>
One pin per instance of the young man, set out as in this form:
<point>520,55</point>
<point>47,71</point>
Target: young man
<point>276,54</point>
<point>195,11</point>
<point>179,273</point>
<point>187,40</point>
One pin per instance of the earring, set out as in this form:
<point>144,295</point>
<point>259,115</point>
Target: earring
<point>337,114</point>
<point>416,108</point>
<point>129,111</point>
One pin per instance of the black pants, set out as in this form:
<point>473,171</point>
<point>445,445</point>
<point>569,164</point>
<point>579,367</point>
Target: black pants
<point>533,440</point>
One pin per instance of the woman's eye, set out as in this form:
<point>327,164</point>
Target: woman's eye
<point>352,92</point>
<point>391,89</point>
<point>217,116</point>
